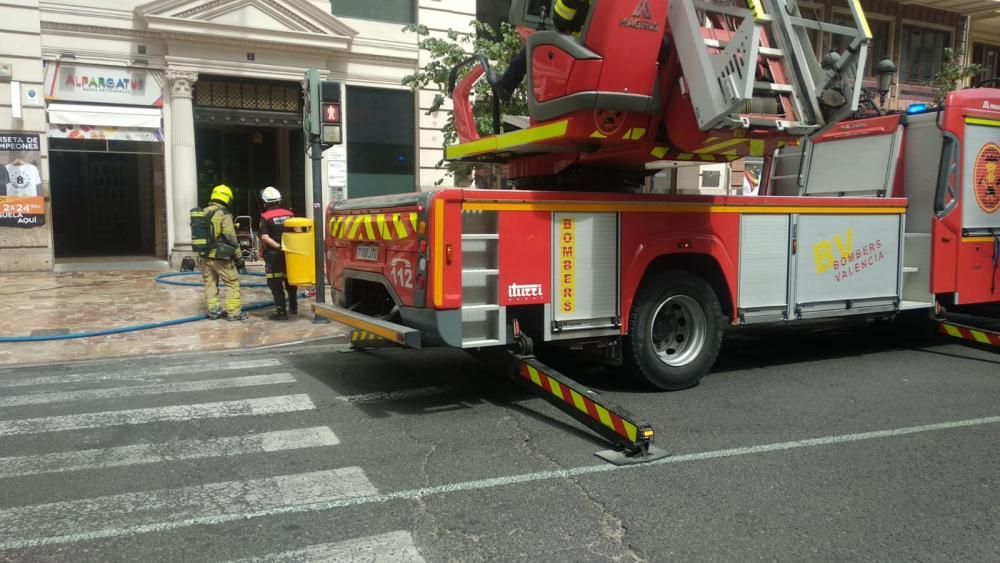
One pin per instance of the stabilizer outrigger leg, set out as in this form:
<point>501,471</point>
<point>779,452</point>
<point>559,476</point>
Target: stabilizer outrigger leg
<point>632,437</point>
<point>971,333</point>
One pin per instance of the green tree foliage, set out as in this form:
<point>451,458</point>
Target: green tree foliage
<point>498,46</point>
<point>953,72</point>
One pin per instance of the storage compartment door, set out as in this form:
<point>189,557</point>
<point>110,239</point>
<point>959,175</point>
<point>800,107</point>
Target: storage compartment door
<point>847,262</point>
<point>764,251</point>
<point>585,274</point>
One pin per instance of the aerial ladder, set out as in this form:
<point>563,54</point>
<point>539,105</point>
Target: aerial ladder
<point>681,80</point>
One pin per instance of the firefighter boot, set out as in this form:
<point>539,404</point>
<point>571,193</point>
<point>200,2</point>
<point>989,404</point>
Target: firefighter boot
<point>293,300</point>
<point>276,283</point>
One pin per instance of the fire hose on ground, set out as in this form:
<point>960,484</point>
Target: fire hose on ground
<point>167,279</point>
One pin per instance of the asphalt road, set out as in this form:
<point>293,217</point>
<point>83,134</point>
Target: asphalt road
<point>851,444</point>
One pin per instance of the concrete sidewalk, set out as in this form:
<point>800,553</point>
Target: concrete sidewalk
<point>38,304</point>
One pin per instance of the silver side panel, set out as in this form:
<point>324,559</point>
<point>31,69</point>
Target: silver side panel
<point>921,160</point>
<point>844,259</point>
<point>981,178</point>
<point>856,167</point>
<point>585,269</point>
<point>764,251</point>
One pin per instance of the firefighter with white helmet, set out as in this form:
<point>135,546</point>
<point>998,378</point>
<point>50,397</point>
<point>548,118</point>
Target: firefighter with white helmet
<point>271,224</point>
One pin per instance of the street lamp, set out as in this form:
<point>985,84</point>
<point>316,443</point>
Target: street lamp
<point>884,70</point>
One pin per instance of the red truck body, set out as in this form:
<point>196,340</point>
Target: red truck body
<point>580,268</point>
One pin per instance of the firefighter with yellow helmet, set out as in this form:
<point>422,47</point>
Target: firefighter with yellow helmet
<point>218,255</point>
<point>568,16</point>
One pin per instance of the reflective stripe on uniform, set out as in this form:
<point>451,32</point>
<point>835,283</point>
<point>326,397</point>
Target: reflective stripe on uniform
<point>564,11</point>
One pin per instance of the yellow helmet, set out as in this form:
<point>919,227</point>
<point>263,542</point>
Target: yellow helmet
<point>222,194</point>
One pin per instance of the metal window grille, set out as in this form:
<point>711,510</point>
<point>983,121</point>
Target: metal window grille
<point>248,95</point>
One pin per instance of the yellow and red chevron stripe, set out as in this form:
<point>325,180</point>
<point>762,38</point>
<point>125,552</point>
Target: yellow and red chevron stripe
<point>374,227</point>
<point>364,339</point>
<point>620,426</point>
<point>969,333</point>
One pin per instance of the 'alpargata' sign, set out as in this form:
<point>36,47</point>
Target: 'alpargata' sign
<point>101,84</point>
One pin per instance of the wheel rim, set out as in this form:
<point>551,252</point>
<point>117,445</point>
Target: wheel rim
<point>678,330</point>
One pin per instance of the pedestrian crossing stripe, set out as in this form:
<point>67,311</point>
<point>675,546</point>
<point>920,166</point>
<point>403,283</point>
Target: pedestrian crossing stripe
<point>580,402</point>
<point>374,227</point>
<point>126,513</point>
<point>969,333</point>
<point>393,546</point>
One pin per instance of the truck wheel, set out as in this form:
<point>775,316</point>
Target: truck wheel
<point>675,330</point>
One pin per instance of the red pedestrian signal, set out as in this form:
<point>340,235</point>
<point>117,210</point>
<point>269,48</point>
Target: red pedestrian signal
<point>331,113</point>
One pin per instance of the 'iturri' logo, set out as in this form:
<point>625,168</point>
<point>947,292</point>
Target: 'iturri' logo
<point>515,291</point>
<point>641,18</point>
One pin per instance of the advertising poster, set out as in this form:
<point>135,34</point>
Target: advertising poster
<point>21,200</point>
<point>336,158</point>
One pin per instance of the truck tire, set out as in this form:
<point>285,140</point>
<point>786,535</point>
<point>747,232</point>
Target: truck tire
<point>675,330</point>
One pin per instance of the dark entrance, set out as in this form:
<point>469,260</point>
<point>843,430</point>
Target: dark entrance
<point>102,204</point>
<point>248,135</point>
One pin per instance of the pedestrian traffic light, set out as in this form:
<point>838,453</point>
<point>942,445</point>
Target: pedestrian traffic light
<point>330,133</point>
<point>322,115</point>
<point>331,124</point>
<point>331,114</point>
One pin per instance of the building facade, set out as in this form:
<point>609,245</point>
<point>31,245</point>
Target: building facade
<point>141,107</point>
<point>128,111</point>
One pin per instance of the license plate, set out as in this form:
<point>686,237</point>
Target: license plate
<point>366,252</point>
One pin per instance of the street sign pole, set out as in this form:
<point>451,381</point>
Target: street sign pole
<point>313,128</point>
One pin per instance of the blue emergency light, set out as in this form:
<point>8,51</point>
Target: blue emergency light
<point>916,108</point>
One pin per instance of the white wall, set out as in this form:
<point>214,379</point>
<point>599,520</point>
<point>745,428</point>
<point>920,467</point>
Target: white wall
<point>24,249</point>
<point>439,16</point>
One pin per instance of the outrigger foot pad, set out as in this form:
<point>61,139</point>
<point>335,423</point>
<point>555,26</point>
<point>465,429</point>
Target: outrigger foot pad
<point>627,458</point>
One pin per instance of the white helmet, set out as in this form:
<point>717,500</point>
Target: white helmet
<point>270,195</point>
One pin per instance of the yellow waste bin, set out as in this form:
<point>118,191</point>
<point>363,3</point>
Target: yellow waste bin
<point>300,251</point>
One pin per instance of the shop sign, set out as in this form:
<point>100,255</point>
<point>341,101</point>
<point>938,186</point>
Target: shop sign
<point>21,201</point>
<point>106,85</point>
<point>100,133</point>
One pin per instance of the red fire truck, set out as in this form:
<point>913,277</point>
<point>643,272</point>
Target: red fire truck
<point>865,217</point>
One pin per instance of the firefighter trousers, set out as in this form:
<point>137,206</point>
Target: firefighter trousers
<point>277,282</point>
<point>214,271</point>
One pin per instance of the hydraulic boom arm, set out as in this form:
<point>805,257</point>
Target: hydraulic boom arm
<point>705,80</point>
